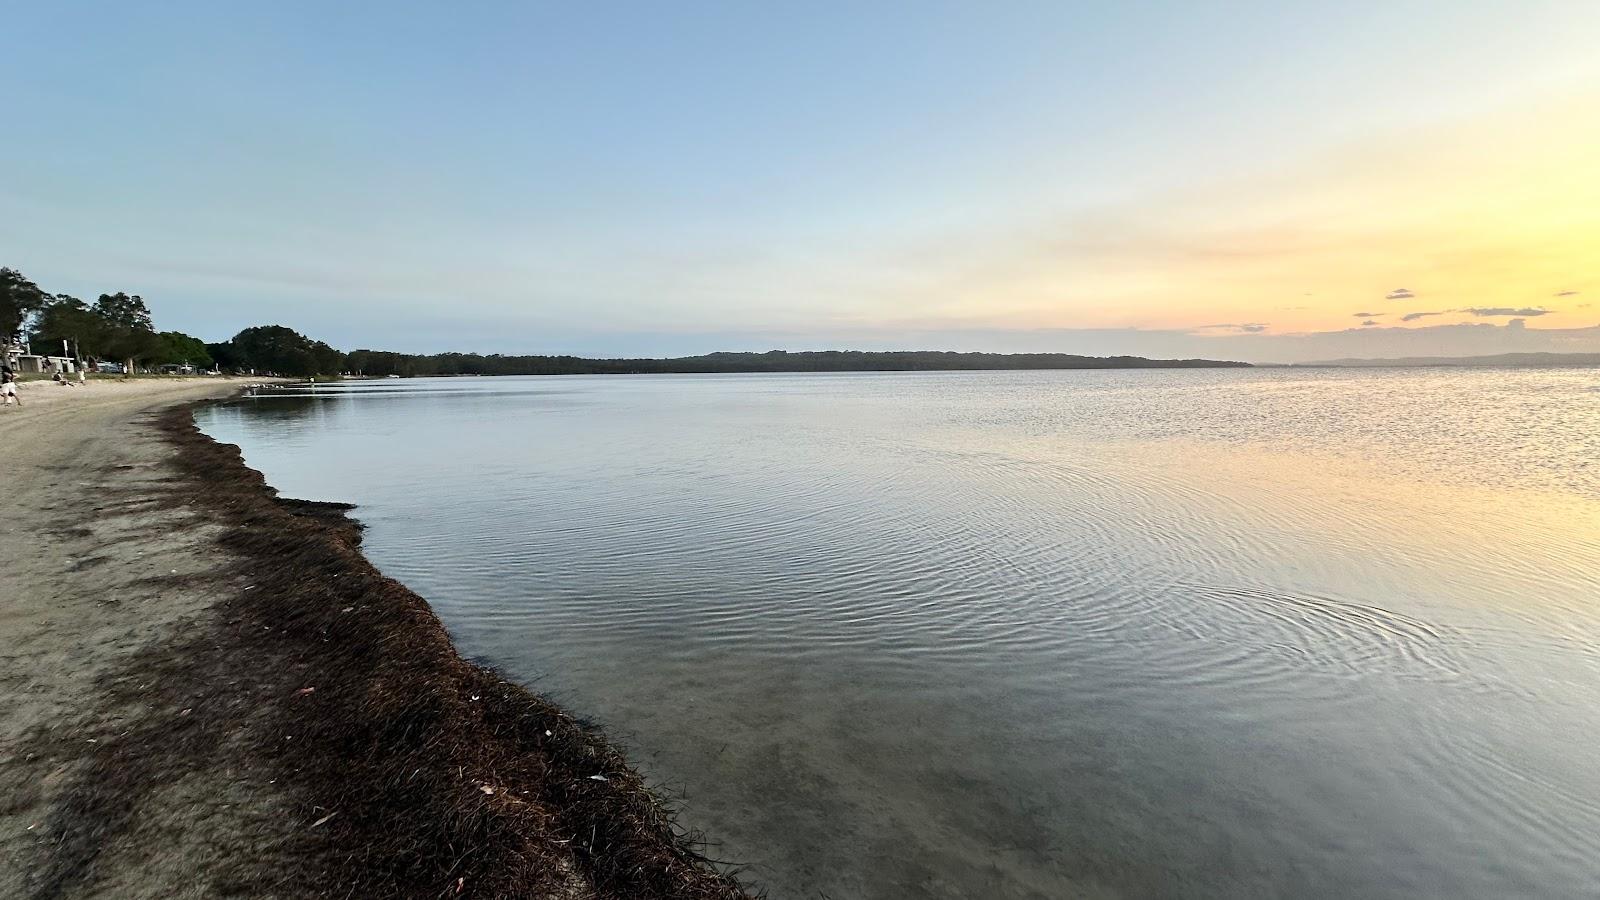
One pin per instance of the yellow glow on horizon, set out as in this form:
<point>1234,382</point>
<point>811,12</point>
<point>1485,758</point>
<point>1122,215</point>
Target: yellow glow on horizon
<point>1502,211</point>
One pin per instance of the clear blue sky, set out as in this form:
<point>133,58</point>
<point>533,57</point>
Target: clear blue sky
<point>658,178</point>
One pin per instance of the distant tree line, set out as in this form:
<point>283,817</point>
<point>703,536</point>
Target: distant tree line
<point>378,363</point>
<point>119,327</point>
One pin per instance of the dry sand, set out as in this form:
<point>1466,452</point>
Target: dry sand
<point>207,690</point>
<point>92,576</point>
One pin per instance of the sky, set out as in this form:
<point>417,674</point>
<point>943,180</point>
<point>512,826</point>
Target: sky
<point>1259,181</point>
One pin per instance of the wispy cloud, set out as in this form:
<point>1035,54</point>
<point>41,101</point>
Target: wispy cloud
<point>1369,315</point>
<point>1399,294</point>
<point>1412,317</point>
<point>1485,311</point>
<point>1567,294</point>
<point>1236,327</point>
<point>1369,322</point>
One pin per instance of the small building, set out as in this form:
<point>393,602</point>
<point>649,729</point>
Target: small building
<point>47,365</point>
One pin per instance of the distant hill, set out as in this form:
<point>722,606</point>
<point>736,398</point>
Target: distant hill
<point>1499,359</point>
<point>379,363</point>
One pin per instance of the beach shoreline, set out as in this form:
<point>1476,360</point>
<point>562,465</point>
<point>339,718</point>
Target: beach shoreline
<point>215,692</point>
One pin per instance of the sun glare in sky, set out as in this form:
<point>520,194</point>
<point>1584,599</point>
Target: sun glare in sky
<point>1440,224</point>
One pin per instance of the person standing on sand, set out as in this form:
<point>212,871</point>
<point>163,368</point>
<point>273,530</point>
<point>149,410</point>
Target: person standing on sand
<point>8,388</point>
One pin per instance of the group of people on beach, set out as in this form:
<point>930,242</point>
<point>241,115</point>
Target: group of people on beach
<point>8,383</point>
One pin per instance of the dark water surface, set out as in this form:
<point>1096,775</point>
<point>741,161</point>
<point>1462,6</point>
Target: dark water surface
<point>1153,633</point>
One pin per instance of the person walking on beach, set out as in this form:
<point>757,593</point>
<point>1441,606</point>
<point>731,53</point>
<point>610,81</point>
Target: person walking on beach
<point>8,388</point>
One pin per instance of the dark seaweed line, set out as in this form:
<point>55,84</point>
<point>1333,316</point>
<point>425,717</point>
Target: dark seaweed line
<point>409,756</point>
<point>445,774</point>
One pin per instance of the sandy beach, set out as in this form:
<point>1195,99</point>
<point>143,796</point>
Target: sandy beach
<point>96,578</point>
<point>206,690</point>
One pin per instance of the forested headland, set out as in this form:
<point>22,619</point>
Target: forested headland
<point>119,327</point>
<point>380,364</point>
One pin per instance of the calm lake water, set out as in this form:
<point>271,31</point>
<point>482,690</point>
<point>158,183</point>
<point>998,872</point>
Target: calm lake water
<point>1106,633</point>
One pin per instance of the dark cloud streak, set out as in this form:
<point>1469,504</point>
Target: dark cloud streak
<point>1484,311</point>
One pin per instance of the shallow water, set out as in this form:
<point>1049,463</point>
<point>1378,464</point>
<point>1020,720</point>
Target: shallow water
<point>1149,633</point>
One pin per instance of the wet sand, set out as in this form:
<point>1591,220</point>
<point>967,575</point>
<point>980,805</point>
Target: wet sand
<point>206,690</point>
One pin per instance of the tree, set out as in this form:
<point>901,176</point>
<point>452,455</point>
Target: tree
<point>378,363</point>
<point>274,348</point>
<point>177,348</point>
<point>19,299</point>
<point>224,356</point>
<point>128,332</point>
<point>326,360</point>
<point>66,318</point>
<point>122,311</point>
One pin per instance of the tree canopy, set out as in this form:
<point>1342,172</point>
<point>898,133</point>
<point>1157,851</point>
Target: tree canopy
<point>126,329</point>
<point>276,348</point>
<point>19,299</point>
<point>66,318</point>
<point>116,326</point>
<point>177,348</point>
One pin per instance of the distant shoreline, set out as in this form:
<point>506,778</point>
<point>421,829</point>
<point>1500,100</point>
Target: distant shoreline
<point>1498,360</point>
<point>381,364</point>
